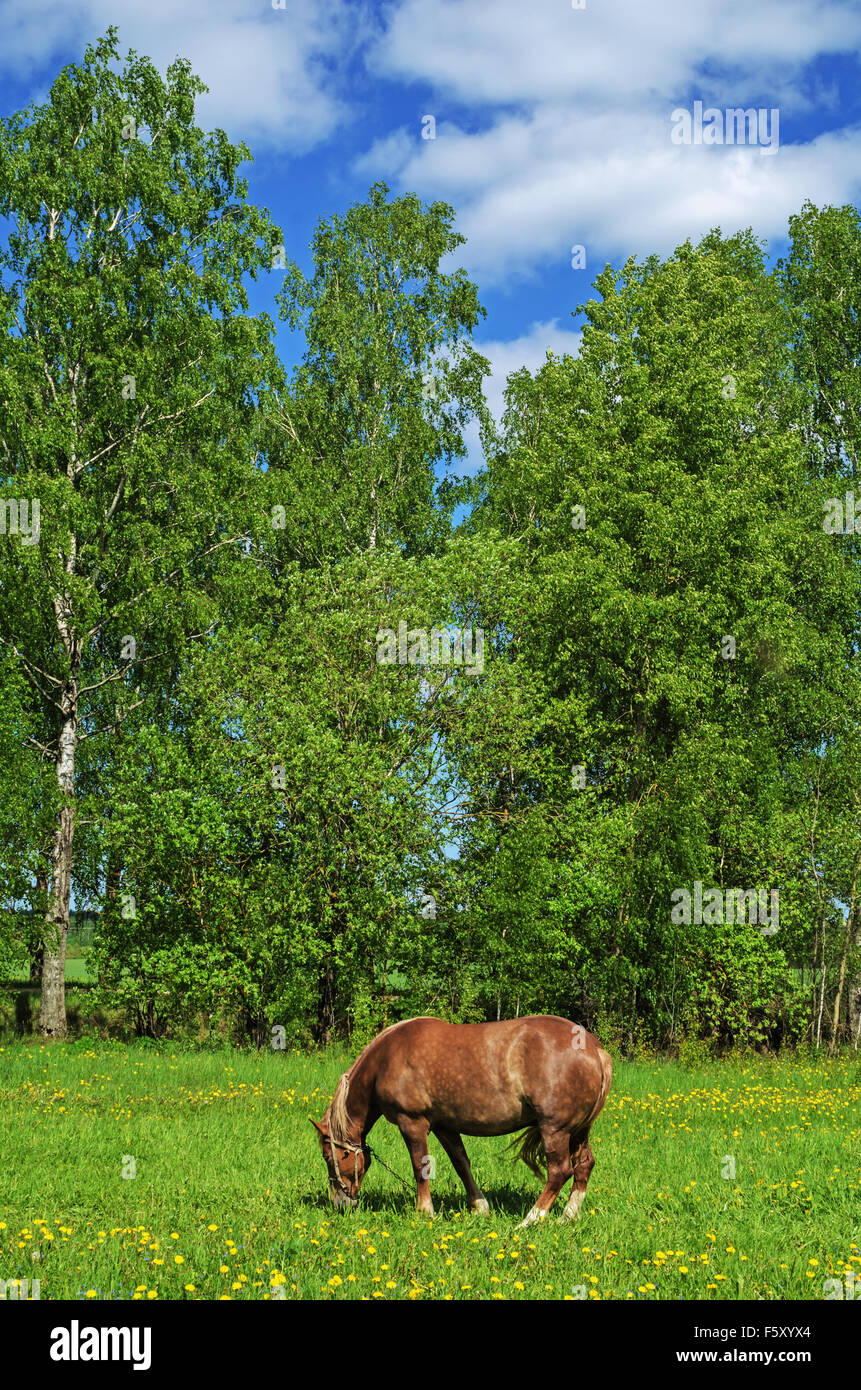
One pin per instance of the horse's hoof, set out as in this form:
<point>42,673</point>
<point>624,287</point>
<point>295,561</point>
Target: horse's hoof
<point>482,1206</point>
<point>572,1207</point>
<point>534,1214</point>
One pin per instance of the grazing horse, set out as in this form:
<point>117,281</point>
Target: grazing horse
<point>542,1075</point>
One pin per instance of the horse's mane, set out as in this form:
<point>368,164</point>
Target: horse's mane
<point>338,1110</point>
<point>338,1118</point>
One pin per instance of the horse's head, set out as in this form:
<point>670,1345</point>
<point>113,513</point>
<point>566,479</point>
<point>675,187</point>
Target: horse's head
<point>346,1163</point>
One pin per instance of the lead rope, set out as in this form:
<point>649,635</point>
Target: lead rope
<point>387,1168</point>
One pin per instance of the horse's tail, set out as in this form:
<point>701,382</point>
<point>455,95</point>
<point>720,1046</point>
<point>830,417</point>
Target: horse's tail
<point>530,1149</point>
<point>606,1062</point>
<point>606,1079</point>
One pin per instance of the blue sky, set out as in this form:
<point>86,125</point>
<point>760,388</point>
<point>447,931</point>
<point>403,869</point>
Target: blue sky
<point>553,123</point>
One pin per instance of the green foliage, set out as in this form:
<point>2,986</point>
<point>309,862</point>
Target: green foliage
<point>197,735</point>
<point>742,991</point>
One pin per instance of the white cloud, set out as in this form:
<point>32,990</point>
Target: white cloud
<point>274,75</point>
<point>552,123</point>
<point>531,187</point>
<point>502,51</point>
<point>529,350</point>
<point>507,356</point>
<point>567,139</point>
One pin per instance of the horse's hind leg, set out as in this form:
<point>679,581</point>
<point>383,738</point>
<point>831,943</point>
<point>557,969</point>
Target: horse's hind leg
<point>582,1162</point>
<point>557,1148</point>
<point>454,1147</point>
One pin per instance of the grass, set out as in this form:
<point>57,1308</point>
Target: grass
<point>77,970</point>
<point>737,1180</point>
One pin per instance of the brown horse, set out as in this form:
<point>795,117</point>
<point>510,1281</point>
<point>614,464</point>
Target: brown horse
<point>542,1075</point>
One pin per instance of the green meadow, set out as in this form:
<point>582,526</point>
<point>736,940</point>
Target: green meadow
<point>152,1173</point>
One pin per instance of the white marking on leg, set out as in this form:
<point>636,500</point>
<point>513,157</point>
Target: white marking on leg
<point>573,1205</point>
<point>481,1204</point>
<point>534,1214</point>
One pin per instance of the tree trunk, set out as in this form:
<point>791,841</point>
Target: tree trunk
<point>838,993</point>
<point>822,989</point>
<point>113,878</point>
<point>844,956</point>
<point>37,964</point>
<point>499,992</point>
<point>325,1024</point>
<point>37,957</point>
<point>52,1015</point>
<point>147,1022</point>
<point>854,995</point>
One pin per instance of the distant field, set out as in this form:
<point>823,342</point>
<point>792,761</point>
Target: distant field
<point>228,1198</point>
<point>78,970</point>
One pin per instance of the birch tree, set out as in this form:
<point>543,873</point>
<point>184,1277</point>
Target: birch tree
<point>128,373</point>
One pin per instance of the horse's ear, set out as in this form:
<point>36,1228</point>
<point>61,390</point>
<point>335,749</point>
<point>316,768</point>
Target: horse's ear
<point>319,1128</point>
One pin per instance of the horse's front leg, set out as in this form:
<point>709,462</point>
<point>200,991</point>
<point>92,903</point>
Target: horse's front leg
<point>556,1147</point>
<point>454,1147</point>
<point>415,1132</point>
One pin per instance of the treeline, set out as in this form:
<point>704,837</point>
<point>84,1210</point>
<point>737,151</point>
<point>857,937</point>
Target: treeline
<point>328,735</point>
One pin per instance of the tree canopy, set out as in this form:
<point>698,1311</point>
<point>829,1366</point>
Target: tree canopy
<point>317,754</point>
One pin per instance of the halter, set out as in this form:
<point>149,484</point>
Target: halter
<point>351,1148</point>
<point>360,1149</point>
